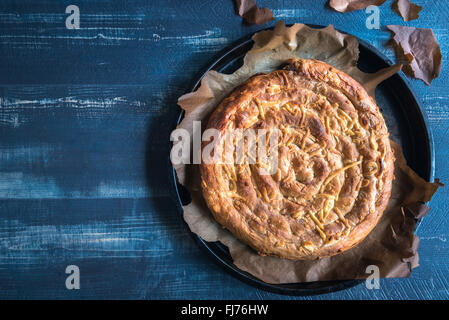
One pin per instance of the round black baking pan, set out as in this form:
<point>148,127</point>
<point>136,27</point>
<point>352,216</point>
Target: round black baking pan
<point>407,125</point>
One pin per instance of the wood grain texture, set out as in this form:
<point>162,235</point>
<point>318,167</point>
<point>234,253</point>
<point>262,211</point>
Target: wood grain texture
<point>85,117</point>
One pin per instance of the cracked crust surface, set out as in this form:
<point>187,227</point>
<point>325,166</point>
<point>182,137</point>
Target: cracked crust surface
<point>335,163</point>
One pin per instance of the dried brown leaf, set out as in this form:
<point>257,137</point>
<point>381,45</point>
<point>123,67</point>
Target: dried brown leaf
<point>407,10</point>
<point>417,210</point>
<point>421,49</point>
<point>251,14</point>
<point>351,5</point>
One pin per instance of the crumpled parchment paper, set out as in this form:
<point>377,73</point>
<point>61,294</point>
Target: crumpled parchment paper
<point>392,245</point>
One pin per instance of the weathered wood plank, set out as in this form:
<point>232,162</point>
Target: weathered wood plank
<point>56,140</point>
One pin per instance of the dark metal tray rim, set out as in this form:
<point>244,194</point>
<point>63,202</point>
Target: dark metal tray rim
<point>293,289</point>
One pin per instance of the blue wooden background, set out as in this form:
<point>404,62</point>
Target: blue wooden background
<point>85,117</point>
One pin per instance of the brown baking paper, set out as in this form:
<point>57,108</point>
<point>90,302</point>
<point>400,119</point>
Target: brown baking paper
<point>392,245</point>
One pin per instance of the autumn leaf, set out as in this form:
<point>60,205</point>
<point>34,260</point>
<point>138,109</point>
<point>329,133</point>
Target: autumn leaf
<point>421,49</point>
<point>407,10</point>
<point>251,14</point>
<point>351,5</point>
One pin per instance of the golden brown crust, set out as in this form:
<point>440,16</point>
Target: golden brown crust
<point>335,165</point>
